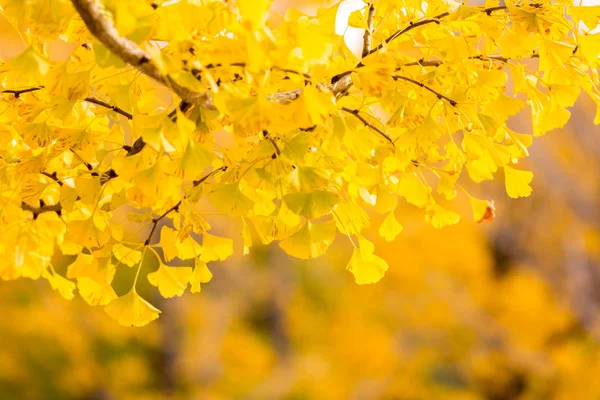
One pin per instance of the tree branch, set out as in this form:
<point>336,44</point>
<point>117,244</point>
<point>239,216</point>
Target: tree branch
<point>19,92</point>
<point>110,107</point>
<point>356,113</point>
<point>438,94</point>
<point>57,208</point>
<point>155,221</point>
<point>432,20</point>
<point>368,36</point>
<point>96,19</point>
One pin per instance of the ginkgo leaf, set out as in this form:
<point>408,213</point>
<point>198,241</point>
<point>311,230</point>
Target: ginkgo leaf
<point>168,243</point>
<point>357,20</point>
<point>277,226</point>
<point>170,281</point>
<point>483,210</point>
<point>413,190</point>
<point>590,16</point>
<point>215,248</point>
<point>201,274</point>
<point>311,205</point>
<point>350,218</point>
<point>390,227</point>
<point>86,234</point>
<point>173,247</point>
<point>126,255</point>
<point>81,266</point>
<point>62,285</point>
<point>228,199</point>
<point>253,11</point>
<point>311,241</point>
<point>131,310</point>
<point>366,267</point>
<point>95,292</point>
<point>517,182</point>
<point>194,160</point>
<point>440,217</point>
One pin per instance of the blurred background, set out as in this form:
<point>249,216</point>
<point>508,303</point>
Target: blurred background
<point>498,311</point>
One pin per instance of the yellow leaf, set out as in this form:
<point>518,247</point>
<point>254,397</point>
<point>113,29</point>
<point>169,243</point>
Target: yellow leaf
<point>357,20</point>
<point>350,218</point>
<point>195,159</point>
<point>390,228</point>
<point>483,210</point>
<point>61,284</point>
<point>553,54</point>
<point>126,255</point>
<point>85,233</point>
<point>170,281</point>
<point>588,15</point>
<point>413,190</point>
<point>81,266</point>
<point>200,275</point>
<point>366,267</point>
<point>173,247</point>
<point>590,47</point>
<point>254,11</point>
<point>439,217</point>
<point>228,199</point>
<point>307,179</point>
<point>311,205</point>
<point>277,226</point>
<point>132,310</point>
<point>215,248</point>
<point>517,182</point>
<point>168,243</point>
<point>311,241</point>
<point>95,292</point>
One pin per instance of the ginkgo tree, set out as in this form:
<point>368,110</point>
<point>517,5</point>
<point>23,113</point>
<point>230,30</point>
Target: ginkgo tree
<point>169,110</point>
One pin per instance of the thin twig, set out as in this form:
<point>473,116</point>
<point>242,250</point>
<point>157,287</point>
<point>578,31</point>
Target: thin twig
<point>175,208</point>
<point>19,92</point>
<point>43,208</point>
<point>356,113</point>
<point>368,36</point>
<point>109,106</point>
<point>183,107</point>
<point>411,26</point>
<point>438,94</point>
<point>437,63</point>
<point>155,221</point>
<point>432,20</point>
<point>275,146</point>
<point>52,176</point>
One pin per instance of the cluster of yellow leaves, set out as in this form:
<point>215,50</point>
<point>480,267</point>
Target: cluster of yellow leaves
<point>285,150</point>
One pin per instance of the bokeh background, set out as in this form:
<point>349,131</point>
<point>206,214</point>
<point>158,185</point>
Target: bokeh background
<point>498,311</point>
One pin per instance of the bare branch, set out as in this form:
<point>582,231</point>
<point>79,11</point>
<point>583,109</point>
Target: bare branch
<point>356,113</point>
<point>19,92</point>
<point>96,19</point>
<point>438,94</point>
<point>175,208</point>
<point>432,20</point>
<point>437,63</point>
<point>273,142</point>
<point>110,107</point>
<point>368,37</point>
<point>43,208</point>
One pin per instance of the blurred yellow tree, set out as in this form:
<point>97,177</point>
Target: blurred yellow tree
<point>182,109</point>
